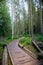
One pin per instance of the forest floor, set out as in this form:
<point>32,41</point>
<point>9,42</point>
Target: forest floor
<point>19,57</point>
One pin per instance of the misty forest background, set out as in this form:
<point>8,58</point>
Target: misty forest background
<point>16,20</point>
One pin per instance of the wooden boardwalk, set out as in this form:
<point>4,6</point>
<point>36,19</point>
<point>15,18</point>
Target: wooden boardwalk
<point>18,56</point>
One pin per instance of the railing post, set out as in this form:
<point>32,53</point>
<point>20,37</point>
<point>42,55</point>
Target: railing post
<point>4,58</point>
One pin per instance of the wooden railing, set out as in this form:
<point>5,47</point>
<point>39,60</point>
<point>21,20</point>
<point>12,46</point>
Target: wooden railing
<point>37,46</point>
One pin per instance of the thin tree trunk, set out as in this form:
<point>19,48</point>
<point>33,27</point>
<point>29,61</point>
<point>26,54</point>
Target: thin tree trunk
<point>12,17</point>
<point>41,17</point>
<point>31,17</point>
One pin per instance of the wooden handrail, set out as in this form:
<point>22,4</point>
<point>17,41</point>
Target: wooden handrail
<point>37,46</point>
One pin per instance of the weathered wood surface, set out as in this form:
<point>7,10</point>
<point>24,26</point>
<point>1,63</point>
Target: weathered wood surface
<point>18,56</point>
<point>4,58</point>
<point>28,51</point>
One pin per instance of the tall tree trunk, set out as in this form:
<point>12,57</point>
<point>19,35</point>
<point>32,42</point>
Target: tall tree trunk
<point>29,15</point>
<point>12,17</point>
<point>41,17</point>
<point>30,18</point>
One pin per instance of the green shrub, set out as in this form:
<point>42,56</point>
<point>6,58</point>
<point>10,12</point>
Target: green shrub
<point>39,37</point>
<point>26,40</point>
<point>26,35</point>
<point>1,44</point>
<point>9,39</point>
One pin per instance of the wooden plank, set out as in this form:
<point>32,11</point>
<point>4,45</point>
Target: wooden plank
<point>37,46</point>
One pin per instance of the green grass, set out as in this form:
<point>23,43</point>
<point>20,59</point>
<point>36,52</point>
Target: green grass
<point>27,42</point>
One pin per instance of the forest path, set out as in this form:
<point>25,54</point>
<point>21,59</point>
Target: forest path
<point>18,56</point>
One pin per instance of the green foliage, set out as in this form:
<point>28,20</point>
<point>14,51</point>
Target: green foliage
<point>27,35</point>
<point>26,40</point>
<point>16,37</point>
<point>0,44</point>
<point>39,37</point>
<point>9,39</point>
<point>4,19</point>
